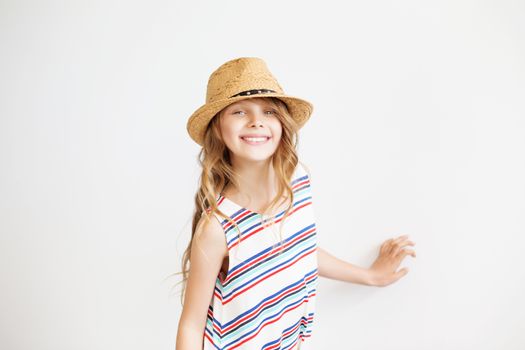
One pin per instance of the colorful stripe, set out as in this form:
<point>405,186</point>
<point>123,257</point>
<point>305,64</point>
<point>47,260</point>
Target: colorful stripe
<point>267,299</point>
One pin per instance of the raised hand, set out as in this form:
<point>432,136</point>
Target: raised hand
<point>391,254</point>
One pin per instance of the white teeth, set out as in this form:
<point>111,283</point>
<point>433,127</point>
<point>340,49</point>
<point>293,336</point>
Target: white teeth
<point>255,139</point>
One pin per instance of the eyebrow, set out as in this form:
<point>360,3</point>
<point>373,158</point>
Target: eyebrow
<point>243,105</point>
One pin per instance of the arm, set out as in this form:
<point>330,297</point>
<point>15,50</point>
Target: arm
<point>381,273</point>
<point>337,269</point>
<point>208,250</point>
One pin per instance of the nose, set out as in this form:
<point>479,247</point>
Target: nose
<point>256,119</point>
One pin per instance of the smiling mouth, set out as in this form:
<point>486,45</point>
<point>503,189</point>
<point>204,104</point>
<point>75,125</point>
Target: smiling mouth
<point>255,140</point>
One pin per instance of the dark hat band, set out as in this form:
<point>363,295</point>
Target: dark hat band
<point>253,92</point>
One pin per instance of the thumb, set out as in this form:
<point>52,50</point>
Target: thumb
<point>402,272</point>
<point>395,276</point>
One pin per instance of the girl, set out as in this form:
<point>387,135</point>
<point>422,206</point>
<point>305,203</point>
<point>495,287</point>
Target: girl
<point>252,264</point>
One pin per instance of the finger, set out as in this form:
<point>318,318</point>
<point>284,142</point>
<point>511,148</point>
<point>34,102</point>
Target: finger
<point>401,238</point>
<point>399,246</point>
<point>388,242</point>
<point>386,246</point>
<point>406,252</point>
<point>391,247</point>
<point>401,273</point>
<point>392,250</point>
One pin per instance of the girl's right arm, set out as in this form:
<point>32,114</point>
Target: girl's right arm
<point>208,250</point>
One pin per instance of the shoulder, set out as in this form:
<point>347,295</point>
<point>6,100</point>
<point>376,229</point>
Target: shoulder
<point>209,235</point>
<point>302,169</point>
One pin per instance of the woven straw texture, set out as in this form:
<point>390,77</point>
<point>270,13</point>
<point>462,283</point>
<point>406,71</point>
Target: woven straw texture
<point>233,77</point>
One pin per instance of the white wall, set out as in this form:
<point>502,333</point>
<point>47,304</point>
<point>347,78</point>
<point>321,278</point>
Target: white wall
<point>419,128</point>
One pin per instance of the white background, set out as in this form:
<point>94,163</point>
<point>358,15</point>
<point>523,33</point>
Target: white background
<point>418,128</point>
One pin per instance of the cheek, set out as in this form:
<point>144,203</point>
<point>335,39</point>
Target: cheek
<point>277,129</point>
<point>229,132</point>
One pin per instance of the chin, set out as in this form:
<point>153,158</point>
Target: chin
<point>255,157</point>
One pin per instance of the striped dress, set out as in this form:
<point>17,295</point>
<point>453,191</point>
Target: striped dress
<point>266,300</point>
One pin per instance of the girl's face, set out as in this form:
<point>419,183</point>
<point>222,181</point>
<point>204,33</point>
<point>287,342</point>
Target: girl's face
<point>251,129</point>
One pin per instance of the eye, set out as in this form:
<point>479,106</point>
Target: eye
<point>238,112</point>
<point>270,112</point>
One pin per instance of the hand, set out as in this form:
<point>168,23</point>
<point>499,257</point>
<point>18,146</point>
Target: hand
<point>383,270</point>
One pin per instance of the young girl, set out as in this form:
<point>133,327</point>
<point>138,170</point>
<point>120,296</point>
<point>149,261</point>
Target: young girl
<point>253,256</point>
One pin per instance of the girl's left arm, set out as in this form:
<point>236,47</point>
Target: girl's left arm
<point>381,273</point>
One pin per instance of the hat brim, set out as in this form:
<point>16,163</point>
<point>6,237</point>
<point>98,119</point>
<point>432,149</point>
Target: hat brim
<point>300,110</point>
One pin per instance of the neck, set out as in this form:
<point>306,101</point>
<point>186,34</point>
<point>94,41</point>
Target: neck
<point>256,179</point>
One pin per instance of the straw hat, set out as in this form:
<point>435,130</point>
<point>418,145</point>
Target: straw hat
<point>239,79</point>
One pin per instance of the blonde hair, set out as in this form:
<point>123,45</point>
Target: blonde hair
<point>217,172</point>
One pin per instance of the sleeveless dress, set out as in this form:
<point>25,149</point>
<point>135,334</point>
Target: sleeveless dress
<point>267,298</point>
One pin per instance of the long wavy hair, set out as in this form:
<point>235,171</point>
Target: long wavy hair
<point>217,173</point>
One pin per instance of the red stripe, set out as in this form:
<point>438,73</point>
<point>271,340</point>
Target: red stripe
<point>218,203</point>
<point>247,211</point>
<point>244,237</point>
<point>280,296</point>
<point>266,277</point>
<point>245,267</point>
<point>278,345</point>
<point>266,324</point>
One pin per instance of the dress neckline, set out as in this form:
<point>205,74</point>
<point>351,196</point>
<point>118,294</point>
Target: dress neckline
<point>291,182</point>
<point>248,210</point>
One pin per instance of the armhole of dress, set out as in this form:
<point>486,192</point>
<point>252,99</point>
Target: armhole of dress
<point>220,220</point>
<point>306,170</point>
<point>303,169</point>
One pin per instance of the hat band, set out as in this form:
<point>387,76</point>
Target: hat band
<point>252,92</point>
